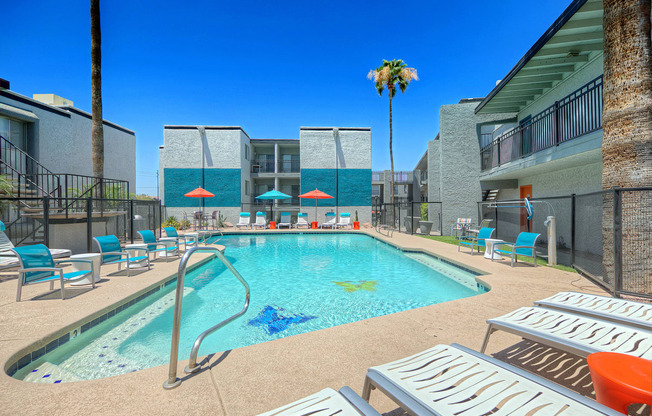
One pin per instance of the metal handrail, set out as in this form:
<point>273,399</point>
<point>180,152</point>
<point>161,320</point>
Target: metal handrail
<point>192,367</point>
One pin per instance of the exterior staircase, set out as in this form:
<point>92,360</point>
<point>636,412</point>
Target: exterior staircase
<point>490,194</point>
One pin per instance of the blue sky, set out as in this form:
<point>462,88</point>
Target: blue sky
<point>269,67</point>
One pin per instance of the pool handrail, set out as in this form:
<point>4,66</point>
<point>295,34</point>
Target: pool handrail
<point>192,366</point>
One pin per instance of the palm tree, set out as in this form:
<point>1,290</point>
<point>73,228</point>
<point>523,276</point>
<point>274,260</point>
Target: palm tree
<point>387,76</point>
<point>627,134</point>
<point>97,132</point>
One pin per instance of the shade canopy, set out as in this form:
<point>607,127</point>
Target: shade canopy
<point>273,194</point>
<point>199,193</point>
<point>316,194</point>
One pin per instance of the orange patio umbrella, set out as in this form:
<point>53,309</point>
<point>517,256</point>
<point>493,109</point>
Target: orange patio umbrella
<point>199,193</point>
<point>316,194</point>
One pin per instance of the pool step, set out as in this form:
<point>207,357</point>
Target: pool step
<point>50,373</point>
<point>455,273</point>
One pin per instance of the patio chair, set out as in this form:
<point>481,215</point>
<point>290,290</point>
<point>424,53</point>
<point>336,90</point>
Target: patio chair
<point>454,380</point>
<point>8,258</point>
<point>243,221</point>
<point>578,334</point>
<point>462,224</point>
<point>327,402</point>
<point>345,221</point>
<point>286,220</point>
<point>37,266</point>
<point>187,240</point>
<point>261,220</point>
<point>152,243</point>
<point>112,253</point>
<point>301,220</point>
<point>623,311</point>
<point>473,242</point>
<point>331,220</point>
<point>524,246</point>
<point>484,224</point>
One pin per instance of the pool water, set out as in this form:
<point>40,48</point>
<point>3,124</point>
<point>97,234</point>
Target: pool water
<point>299,283</point>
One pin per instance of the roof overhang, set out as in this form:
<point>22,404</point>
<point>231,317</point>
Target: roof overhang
<point>573,40</point>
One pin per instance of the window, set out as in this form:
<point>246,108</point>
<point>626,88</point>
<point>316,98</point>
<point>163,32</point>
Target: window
<point>246,187</point>
<point>246,152</point>
<point>375,190</point>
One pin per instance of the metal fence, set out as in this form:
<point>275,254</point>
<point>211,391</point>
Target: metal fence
<point>411,217</point>
<point>605,235</point>
<point>74,222</point>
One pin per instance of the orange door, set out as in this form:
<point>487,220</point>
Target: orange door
<point>526,192</point>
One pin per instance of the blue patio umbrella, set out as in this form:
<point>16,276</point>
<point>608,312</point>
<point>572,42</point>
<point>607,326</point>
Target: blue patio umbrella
<point>273,194</point>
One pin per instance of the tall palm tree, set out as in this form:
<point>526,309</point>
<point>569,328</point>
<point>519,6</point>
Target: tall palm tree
<point>627,132</point>
<point>97,132</point>
<point>387,76</point>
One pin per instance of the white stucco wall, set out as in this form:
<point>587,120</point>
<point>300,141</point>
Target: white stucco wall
<point>318,148</point>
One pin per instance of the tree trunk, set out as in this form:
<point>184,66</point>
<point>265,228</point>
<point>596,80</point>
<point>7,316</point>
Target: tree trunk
<point>627,140</point>
<point>97,132</point>
<point>391,151</point>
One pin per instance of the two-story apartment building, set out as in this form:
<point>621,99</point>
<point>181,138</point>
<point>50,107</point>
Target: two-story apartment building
<point>236,168</point>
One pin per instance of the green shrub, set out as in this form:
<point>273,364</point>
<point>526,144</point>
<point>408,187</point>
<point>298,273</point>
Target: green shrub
<point>171,222</point>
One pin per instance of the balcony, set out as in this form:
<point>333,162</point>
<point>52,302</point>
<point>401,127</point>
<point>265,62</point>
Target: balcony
<point>262,166</point>
<point>289,166</point>
<point>576,115</point>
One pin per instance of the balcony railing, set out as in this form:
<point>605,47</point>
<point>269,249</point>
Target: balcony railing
<point>575,115</point>
<point>262,166</point>
<point>289,166</point>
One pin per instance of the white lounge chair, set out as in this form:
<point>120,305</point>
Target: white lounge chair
<point>8,258</point>
<point>331,220</point>
<point>243,221</point>
<point>577,334</point>
<point>454,380</point>
<point>301,220</point>
<point>261,220</point>
<point>327,402</point>
<point>623,311</point>
<point>286,220</point>
<point>345,221</point>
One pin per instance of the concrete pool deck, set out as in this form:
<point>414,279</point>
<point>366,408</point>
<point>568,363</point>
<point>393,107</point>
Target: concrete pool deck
<point>257,378</point>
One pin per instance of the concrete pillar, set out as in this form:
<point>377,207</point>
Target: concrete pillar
<point>276,157</point>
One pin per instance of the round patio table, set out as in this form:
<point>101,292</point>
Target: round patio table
<point>620,379</point>
<point>95,258</point>
<point>489,248</point>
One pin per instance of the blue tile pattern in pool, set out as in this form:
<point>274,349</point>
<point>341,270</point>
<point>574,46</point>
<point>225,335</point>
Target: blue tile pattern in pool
<point>299,283</point>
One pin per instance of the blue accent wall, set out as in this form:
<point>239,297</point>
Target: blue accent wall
<point>354,186</point>
<point>224,183</point>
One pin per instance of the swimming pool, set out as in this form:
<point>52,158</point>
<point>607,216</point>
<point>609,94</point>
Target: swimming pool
<point>299,283</point>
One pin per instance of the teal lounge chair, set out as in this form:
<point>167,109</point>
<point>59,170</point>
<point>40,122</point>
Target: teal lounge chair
<point>150,239</point>
<point>243,221</point>
<point>286,220</point>
<point>302,220</point>
<point>37,266</point>
<point>187,240</point>
<point>524,246</point>
<point>112,253</point>
<point>345,221</point>
<point>473,242</point>
<point>331,220</point>
<point>261,220</point>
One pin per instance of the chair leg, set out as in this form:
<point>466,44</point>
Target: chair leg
<point>535,257</point>
<point>20,287</point>
<point>61,279</point>
<point>366,389</point>
<point>490,330</point>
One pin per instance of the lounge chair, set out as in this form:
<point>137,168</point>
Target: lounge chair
<point>37,266</point>
<point>524,246</point>
<point>243,221</point>
<point>187,240</point>
<point>454,380</point>
<point>301,220</point>
<point>623,311</point>
<point>462,224</point>
<point>152,243</point>
<point>112,253</point>
<point>331,220</point>
<point>8,258</point>
<point>345,221</point>
<point>261,220</point>
<point>577,334</point>
<point>473,242</point>
<point>286,220</point>
<point>327,402</point>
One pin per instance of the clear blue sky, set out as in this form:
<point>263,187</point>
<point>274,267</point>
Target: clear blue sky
<point>269,66</point>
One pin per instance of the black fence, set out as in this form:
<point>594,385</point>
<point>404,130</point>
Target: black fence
<point>573,116</point>
<point>76,220</point>
<point>411,217</point>
<point>605,235</point>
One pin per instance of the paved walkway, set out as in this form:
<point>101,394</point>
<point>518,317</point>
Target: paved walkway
<point>260,377</point>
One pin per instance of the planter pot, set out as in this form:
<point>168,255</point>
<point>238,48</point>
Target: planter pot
<point>411,224</point>
<point>356,225</point>
<point>425,226</point>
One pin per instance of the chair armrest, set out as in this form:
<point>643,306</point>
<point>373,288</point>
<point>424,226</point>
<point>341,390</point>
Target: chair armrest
<point>515,247</point>
<point>470,237</point>
<point>116,253</point>
<point>73,261</point>
<point>41,269</point>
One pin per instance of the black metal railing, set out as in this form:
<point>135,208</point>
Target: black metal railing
<point>289,166</point>
<point>262,166</point>
<point>573,116</point>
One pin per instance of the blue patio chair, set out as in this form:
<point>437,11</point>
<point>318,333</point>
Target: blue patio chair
<point>187,240</point>
<point>112,253</point>
<point>150,239</point>
<point>524,246</point>
<point>473,242</point>
<point>37,266</point>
